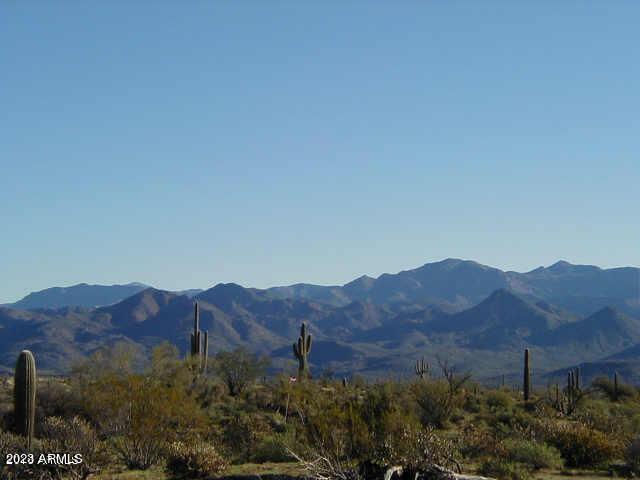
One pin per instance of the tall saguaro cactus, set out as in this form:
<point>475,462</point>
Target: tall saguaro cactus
<point>301,351</point>
<point>527,376</point>
<point>24,395</point>
<point>199,342</point>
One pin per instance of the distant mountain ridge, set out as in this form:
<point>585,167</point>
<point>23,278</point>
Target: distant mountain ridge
<point>360,337</point>
<point>478,316</point>
<point>83,295</point>
<point>450,283</point>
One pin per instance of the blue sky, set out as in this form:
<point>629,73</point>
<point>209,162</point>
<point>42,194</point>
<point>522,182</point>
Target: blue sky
<point>183,144</point>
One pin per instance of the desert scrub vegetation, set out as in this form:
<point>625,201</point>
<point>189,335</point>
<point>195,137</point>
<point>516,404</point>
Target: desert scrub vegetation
<point>194,460</point>
<point>581,445</point>
<point>504,470</point>
<point>168,414</point>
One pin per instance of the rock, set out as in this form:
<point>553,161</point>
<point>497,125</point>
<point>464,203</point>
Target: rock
<point>393,473</point>
<point>433,472</point>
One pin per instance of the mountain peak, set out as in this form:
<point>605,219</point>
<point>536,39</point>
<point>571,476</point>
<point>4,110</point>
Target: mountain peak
<point>360,284</point>
<point>560,265</point>
<point>447,261</point>
<point>141,305</point>
<point>608,310</point>
<point>609,319</point>
<point>225,295</point>
<point>228,288</point>
<point>504,296</point>
<point>450,263</point>
<point>361,279</point>
<point>148,293</point>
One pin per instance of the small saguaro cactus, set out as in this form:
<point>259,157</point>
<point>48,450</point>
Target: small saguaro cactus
<point>301,351</point>
<point>559,401</point>
<point>574,391</point>
<point>199,342</point>
<point>24,395</point>
<point>615,385</point>
<point>570,384</point>
<point>422,368</point>
<point>527,376</point>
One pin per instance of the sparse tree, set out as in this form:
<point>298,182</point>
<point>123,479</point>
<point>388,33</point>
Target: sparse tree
<point>239,368</point>
<point>118,359</point>
<point>454,380</point>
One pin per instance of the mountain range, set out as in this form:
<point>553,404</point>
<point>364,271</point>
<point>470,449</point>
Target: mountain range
<point>83,295</point>
<point>478,317</point>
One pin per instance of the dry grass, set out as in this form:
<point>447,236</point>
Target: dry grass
<point>247,469</point>
<point>267,468</point>
<point>151,474</point>
<point>571,474</point>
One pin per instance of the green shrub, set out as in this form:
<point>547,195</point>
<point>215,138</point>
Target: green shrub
<point>473,403</point>
<point>75,436</point>
<point>61,436</point>
<point>532,454</point>
<point>57,399</point>
<point>632,455</point>
<point>341,428</point>
<point>479,441</point>
<point>582,446</point>
<point>241,435</point>
<point>415,448</point>
<point>508,423</point>
<point>500,400</point>
<point>504,470</point>
<point>141,415</point>
<point>437,403</point>
<point>616,419</point>
<point>194,460</point>
<point>607,388</point>
<point>271,448</point>
<point>239,369</point>
<point>10,443</point>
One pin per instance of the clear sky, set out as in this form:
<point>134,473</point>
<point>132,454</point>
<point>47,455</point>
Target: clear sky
<point>183,144</point>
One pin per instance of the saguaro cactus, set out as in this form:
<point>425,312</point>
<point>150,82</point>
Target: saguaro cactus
<point>422,368</point>
<point>24,395</point>
<point>574,391</point>
<point>527,376</point>
<point>615,386</point>
<point>199,342</point>
<point>301,351</point>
